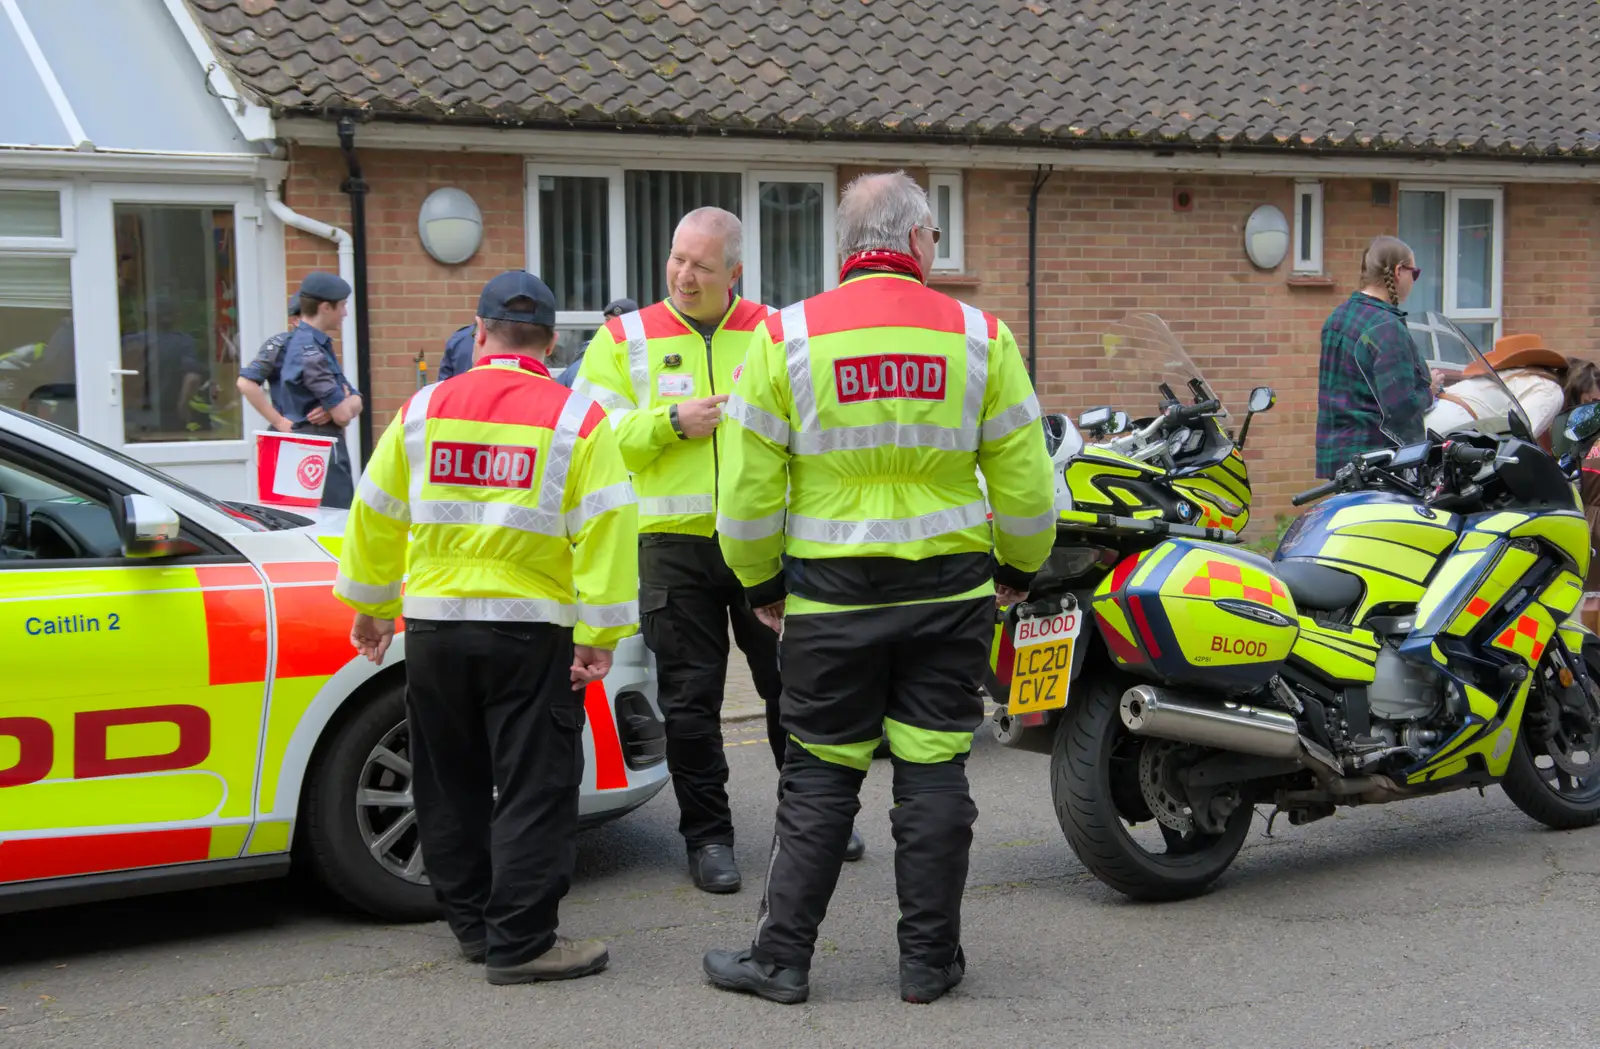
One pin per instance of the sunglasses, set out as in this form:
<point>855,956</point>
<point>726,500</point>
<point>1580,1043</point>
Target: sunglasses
<point>935,230</point>
<point>1415,271</point>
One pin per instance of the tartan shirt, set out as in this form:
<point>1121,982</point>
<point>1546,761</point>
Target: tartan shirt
<point>1372,387</point>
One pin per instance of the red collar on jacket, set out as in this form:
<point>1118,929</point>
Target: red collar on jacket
<point>520,361</point>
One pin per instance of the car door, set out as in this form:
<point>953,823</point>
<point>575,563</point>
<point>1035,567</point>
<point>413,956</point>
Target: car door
<point>134,688</point>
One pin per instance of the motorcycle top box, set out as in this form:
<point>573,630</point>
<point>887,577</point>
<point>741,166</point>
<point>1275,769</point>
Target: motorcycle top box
<point>1208,614</point>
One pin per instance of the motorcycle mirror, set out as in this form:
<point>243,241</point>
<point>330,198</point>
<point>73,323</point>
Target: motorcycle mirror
<point>1584,422</point>
<point>1262,399</point>
<point>1104,421</point>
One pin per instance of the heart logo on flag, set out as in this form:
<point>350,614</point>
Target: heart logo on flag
<point>309,472</point>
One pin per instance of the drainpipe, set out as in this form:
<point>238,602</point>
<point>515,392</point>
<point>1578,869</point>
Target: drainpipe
<point>1040,177</point>
<point>356,188</point>
<point>347,271</point>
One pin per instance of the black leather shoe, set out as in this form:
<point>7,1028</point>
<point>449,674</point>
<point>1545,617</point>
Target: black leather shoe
<point>857,847</point>
<point>475,951</point>
<point>737,971</point>
<point>921,984</point>
<point>713,869</point>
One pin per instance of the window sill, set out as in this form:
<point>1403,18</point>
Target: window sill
<point>1310,280</point>
<point>954,279</point>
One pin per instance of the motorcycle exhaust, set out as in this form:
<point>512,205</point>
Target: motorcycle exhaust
<point>1149,711</point>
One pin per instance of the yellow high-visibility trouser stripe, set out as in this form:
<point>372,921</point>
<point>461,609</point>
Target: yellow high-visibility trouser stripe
<point>920,746</point>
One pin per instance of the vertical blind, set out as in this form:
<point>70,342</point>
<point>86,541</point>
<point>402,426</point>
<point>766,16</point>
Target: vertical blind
<point>656,201</point>
<point>575,240</point>
<point>791,242</point>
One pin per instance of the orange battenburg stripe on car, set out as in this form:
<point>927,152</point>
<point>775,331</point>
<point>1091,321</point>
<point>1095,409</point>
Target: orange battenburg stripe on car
<point>236,625</point>
<point>34,858</point>
<point>609,773</point>
<point>302,571</point>
<point>313,631</point>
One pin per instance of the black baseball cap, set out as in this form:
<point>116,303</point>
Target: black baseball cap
<point>493,304</point>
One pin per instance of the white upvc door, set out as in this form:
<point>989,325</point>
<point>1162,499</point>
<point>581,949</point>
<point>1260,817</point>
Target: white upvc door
<point>166,286</point>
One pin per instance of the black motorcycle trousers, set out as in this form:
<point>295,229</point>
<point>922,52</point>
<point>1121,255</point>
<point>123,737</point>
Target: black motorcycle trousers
<point>910,672</point>
<point>492,712</point>
<point>687,598</point>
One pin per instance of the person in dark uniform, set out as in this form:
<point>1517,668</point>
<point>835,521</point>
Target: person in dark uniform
<point>457,351</point>
<point>312,379</point>
<point>266,369</point>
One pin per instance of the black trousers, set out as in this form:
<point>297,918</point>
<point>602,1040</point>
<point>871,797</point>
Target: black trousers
<point>687,597</point>
<point>491,709</point>
<point>911,672</point>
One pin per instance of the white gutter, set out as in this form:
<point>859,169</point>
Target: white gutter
<point>347,271</point>
<point>711,146</point>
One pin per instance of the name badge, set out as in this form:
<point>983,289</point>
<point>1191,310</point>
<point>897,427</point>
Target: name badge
<point>674,385</point>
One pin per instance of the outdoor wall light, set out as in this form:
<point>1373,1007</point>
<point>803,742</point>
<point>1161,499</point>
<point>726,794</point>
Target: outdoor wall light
<point>1266,237</point>
<point>451,225</point>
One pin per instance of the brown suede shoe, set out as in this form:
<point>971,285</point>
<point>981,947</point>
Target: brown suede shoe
<point>565,960</point>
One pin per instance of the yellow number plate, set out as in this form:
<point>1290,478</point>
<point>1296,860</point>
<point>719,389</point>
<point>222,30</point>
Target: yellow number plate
<point>1042,672</point>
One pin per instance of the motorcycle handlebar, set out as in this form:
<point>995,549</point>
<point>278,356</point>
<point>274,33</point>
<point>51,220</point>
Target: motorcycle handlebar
<point>1185,412</point>
<point>1466,453</point>
<point>1315,493</point>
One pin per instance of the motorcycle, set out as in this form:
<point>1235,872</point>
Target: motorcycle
<point>1411,635</point>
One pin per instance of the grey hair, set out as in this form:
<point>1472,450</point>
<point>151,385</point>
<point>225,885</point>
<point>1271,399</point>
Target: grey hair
<point>879,212</point>
<point>721,223</point>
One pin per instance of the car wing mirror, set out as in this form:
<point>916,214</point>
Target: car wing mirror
<point>150,528</point>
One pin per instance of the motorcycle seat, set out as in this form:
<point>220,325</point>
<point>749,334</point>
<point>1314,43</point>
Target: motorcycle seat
<point>1317,587</point>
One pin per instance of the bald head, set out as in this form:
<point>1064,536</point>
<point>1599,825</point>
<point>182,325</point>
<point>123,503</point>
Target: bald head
<point>880,212</point>
<point>705,263</point>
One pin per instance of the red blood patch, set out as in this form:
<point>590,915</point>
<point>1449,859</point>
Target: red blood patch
<point>481,465</point>
<point>890,376</point>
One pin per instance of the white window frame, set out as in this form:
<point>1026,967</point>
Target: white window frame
<point>751,177</point>
<point>1453,195</point>
<point>62,245</point>
<point>956,234</point>
<point>1307,242</point>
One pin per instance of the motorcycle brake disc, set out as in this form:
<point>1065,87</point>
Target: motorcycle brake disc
<point>1157,781</point>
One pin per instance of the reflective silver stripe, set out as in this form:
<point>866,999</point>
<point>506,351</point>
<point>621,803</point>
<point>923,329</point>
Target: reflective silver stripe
<point>1012,419</point>
<point>760,528</point>
<point>610,400</point>
<point>673,505</point>
<point>1026,526</point>
<point>757,420</point>
<point>416,437</point>
<point>797,353</point>
<point>381,501</point>
<point>638,356</point>
<point>893,530</point>
<point>491,609</point>
<point>366,593</point>
<point>884,435</point>
<point>598,502</point>
<point>623,613</point>
<point>977,365</point>
<point>500,515</point>
<point>552,489</point>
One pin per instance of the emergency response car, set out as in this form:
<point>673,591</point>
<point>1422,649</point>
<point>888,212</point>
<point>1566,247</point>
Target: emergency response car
<point>180,703</point>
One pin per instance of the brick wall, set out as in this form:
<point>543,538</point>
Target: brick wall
<point>1108,244</point>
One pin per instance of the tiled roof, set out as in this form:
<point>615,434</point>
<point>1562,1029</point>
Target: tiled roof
<point>1492,76</point>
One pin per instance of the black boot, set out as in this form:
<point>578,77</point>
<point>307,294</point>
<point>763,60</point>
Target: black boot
<point>713,869</point>
<point>857,847</point>
<point>921,984</point>
<point>737,971</point>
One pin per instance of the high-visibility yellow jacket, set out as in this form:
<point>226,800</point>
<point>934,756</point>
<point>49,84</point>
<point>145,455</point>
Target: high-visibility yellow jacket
<point>517,503</point>
<point>638,366</point>
<point>857,431</point>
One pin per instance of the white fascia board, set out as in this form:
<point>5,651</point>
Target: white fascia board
<point>254,121</point>
<point>130,162</point>
<point>711,147</point>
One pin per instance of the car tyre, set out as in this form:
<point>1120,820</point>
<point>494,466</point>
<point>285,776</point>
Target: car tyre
<point>334,842</point>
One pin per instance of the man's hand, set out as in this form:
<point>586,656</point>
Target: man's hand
<point>317,416</point>
<point>1005,596</point>
<point>371,636</point>
<point>589,664</point>
<point>283,425</point>
<point>699,418</point>
<point>772,616</point>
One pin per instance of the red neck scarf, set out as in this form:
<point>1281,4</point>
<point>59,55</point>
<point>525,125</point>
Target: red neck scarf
<point>880,260</point>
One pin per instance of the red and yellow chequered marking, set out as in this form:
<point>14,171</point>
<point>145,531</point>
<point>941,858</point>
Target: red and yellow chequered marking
<point>1218,579</point>
<point>1527,636</point>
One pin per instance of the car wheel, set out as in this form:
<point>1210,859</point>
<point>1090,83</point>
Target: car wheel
<point>361,825</point>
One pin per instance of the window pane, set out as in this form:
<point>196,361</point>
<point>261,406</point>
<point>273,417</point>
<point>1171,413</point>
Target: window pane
<point>941,218</point>
<point>656,201</point>
<point>1422,227</point>
<point>176,288</point>
<point>1481,334</point>
<point>1305,228</point>
<point>1475,254</point>
<point>791,242</point>
<point>30,213</point>
<point>575,240</point>
<point>38,369</point>
<point>570,344</point>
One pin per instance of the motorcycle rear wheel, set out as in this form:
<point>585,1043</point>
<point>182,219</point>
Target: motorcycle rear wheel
<point>1089,765</point>
<point>1538,785</point>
